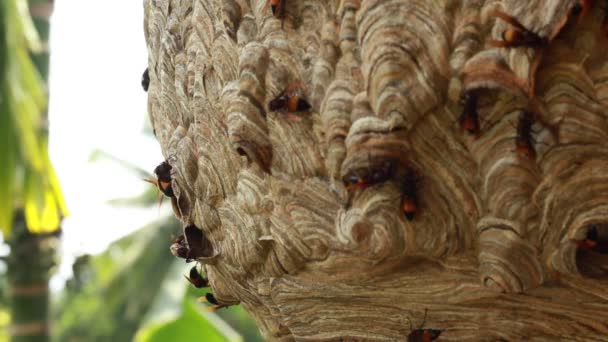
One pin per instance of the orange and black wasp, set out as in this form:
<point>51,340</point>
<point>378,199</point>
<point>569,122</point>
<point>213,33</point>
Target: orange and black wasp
<point>582,8</point>
<point>593,241</point>
<point>469,119</point>
<point>196,279</point>
<point>145,80</point>
<point>524,142</point>
<point>278,8</point>
<point>289,100</point>
<point>422,335</point>
<point>364,178</point>
<point>409,197</point>
<point>190,245</point>
<point>210,298</point>
<point>517,36</point>
<point>163,179</point>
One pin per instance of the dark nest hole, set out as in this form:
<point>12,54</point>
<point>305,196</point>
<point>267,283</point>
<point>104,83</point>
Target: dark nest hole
<point>592,252</point>
<point>198,244</point>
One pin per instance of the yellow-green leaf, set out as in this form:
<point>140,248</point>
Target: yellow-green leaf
<point>56,189</point>
<point>27,27</point>
<point>7,171</point>
<point>41,212</point>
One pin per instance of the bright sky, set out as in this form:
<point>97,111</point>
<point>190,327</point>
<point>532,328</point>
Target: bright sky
<point>98,55</point>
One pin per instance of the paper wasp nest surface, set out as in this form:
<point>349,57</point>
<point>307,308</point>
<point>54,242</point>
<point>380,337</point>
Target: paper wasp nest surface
<point>352,164</point>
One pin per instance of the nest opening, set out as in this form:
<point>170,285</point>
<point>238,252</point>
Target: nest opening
<point>241,151</point>
<point>592,252</point>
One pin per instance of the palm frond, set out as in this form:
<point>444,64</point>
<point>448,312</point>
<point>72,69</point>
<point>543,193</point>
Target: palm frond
<point>27,176</point>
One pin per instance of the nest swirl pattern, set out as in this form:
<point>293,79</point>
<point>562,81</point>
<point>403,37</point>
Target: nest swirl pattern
<point>498,208</point>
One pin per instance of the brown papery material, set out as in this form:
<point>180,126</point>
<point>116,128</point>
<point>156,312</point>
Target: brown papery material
<point>491,252</point>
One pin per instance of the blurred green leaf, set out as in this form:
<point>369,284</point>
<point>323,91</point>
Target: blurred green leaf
<point>26,27</point>
<point>169,307</point>
<point>235,316</point>
<point>120,287</point>
<point>40,206</point>
<point>240,320</point>
<point>4,322</point>
<point>7,171</point>
<point>27,177</point>
<point>147,198</point>
<point>56,187</point>
<point>22,90</point>
<point>103,155</point>
<point>168,304</point>
<point>190,326</point>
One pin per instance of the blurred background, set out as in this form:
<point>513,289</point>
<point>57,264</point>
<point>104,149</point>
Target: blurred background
<point>84,253</point>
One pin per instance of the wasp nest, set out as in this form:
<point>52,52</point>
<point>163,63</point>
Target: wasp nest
<point>352,164</point>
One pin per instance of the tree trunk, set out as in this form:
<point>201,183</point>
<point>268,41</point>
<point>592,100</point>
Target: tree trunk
<point>29,266</point>
<point>489,251</point>
<point>33,256</point>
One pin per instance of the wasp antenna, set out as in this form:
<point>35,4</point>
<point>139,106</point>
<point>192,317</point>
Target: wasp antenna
<point>151,181</point>
<point>424,319</point>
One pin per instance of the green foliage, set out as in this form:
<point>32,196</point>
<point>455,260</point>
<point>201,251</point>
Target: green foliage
<point>177,314</point>
<point>136,289</point>
<point>189,326</point>
<point>235,316</point>
<point>240,320</point>
<point>4,322</point>
<point>27,178</point>
<point>117,288</point>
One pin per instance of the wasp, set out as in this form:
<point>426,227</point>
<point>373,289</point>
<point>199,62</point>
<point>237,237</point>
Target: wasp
<point>593,241</point>
<point>517,36</point>
<point>409,198</point>
<point>210,298</point>
<point>359,180</point>
<point>196,279</point>
<point>469,119</point>
<point>163,179</point>
<point>524,142</point>
<point>289,100</point>
<point>190,245</point>
<point>145,80</point>
<point>179,248</point>
<point>582,8</point>
<point>422,335</point>
<point>278,8</point>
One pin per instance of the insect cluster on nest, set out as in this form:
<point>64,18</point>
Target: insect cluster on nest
<point>190,246</point>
